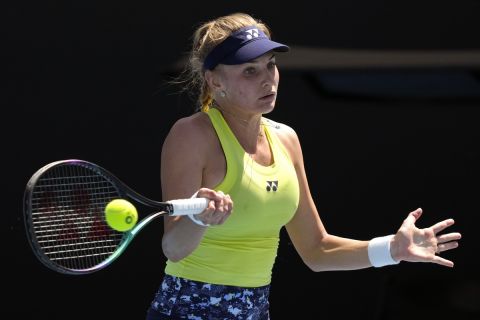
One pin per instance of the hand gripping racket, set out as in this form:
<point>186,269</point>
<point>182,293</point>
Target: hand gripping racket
<point>64,205</point>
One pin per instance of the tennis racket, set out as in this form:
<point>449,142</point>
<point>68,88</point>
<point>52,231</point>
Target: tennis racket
<point>64,205</point>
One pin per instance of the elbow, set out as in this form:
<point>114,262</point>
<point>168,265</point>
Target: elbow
<point>315,266</point>
<point>312,263</point>
<point>317,259</point>
<point>172,256</point>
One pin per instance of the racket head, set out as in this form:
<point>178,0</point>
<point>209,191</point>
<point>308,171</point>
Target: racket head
<point>64,204</point>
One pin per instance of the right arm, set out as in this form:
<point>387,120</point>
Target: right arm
<point>184,158</point>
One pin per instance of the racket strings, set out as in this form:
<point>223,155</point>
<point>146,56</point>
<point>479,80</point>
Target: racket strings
<point>68,219</point>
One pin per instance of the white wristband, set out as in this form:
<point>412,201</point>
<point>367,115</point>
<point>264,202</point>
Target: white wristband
<point>192,216</point>
<point>379,252</point>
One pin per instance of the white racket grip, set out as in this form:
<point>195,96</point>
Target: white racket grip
<point>183,207</point>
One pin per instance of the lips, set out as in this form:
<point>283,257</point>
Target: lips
<point>269,96</point>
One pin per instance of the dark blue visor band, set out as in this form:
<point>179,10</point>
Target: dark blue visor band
<point>243,45</point>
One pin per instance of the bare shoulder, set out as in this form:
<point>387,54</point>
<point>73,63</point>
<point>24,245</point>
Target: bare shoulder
<point>192,134</point>
<point>287,136</point>
<point>197,123</point>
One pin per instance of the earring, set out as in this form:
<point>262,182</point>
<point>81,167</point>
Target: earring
<point>222,94</point>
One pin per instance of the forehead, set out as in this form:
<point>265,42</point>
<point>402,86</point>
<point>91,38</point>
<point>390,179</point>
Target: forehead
<point>226,69</point>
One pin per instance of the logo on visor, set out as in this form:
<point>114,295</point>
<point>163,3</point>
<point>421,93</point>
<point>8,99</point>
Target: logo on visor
<point>252,33</point>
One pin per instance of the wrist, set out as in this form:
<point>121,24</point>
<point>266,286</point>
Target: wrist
<point>192,216</point>
<point>379,251</point>
<point>197,221</point>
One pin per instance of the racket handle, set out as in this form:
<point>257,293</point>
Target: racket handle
<point>182,207</point>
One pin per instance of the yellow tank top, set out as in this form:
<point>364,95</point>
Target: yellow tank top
<point>242,251</point>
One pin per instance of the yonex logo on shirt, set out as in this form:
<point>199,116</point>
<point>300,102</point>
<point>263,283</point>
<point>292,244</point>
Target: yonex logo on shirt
<point>272,185</point>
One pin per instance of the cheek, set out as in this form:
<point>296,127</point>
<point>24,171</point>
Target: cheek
<point>241,90</point>
<point>241,94</point>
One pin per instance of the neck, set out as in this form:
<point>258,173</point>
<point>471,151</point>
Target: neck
<point>248,131</point>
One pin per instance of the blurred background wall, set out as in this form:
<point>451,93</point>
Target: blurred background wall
<point>384,95</point>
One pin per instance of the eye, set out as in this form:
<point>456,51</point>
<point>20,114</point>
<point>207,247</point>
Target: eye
<point>271,64</point>
<point>250,70</point>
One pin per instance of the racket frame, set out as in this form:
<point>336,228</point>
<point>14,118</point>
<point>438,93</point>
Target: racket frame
<point>124,191</point>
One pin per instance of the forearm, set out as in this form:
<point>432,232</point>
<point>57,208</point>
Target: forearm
<point>337,253</point>
<point>181,238</point>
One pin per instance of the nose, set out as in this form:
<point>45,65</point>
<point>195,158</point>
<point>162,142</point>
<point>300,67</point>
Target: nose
<point>268,79</point>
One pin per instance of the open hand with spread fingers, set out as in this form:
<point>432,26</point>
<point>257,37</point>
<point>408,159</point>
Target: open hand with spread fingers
<point>423,245</point>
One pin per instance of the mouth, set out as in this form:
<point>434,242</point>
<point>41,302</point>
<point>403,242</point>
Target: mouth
<point>268,97</point>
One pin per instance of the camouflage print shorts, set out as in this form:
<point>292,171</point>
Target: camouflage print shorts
<point>180,298</point>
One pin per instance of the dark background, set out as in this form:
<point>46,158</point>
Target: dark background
<point>86,79</point>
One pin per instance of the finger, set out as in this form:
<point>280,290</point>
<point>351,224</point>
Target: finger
<point>224,218</point>
<point>228,209</point>
<point>221,209</point>
<point>223,206</point>
<point>439,226</point>
<point>221,202</point>
<point>210,194</point>
<point>447,246</point>
<point>221,217</point>
<point>220,196</point>
<point>449,237</point>
<point>208,210</point>
<point>441,261</point>
<point>413,216</point>
<point>229,203</point>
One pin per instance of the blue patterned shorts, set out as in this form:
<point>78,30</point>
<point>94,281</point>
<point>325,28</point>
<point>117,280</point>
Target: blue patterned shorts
<point>180,298</point>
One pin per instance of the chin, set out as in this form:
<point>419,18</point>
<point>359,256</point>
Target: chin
<point>267,105</point>
<point>268,108</point>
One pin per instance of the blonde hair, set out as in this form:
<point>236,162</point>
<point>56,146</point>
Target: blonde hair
<point>206,37</point>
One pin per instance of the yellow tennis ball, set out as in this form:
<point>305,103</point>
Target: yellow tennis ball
<point>121,215</point>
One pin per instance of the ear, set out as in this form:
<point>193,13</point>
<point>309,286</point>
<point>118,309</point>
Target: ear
<point>213,80</point>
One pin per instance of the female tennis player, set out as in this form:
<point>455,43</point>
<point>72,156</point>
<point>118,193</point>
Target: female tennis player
<point>220,261</point>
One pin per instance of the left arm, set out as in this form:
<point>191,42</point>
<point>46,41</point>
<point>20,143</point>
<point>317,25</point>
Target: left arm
<point>322,252</point>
